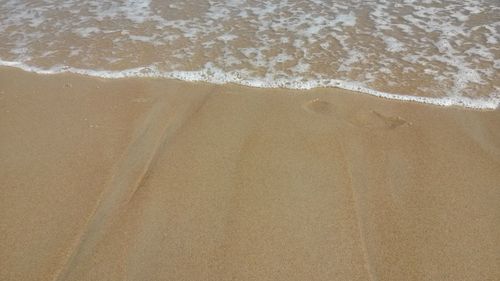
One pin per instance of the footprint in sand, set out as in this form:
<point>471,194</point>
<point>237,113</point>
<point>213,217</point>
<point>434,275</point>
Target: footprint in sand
<point>319,106</point>
<point>375,119</point>
<point>362,118</point>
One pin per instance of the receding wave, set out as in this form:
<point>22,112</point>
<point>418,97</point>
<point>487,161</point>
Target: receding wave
<point>211,75</point>
<point>437,52</point>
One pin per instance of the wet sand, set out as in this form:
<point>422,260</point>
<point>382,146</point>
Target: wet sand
<point>144,179</point>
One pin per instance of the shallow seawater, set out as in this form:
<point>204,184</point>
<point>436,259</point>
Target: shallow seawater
<point>442,52</point>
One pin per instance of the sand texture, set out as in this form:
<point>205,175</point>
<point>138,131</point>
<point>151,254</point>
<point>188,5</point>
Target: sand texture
<point>143,179</point>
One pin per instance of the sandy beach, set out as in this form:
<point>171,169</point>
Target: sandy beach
<point>155,179</point>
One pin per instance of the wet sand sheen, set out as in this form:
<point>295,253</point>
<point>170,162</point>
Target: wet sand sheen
<point>143,179</point>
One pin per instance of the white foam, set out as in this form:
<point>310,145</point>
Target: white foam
<point>86,31</point>
<point>214,75</point>
<point>227,37</point>
<point>345,19</point>
<point>393,45</point>
<point>295,44</point>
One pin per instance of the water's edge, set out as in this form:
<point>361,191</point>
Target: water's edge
<point>491,103</point>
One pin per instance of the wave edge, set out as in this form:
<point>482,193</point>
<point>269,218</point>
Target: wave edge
<point>217,76</point>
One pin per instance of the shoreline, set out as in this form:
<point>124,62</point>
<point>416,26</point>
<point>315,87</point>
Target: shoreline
<point>155,179</point>
<point>204,76</point>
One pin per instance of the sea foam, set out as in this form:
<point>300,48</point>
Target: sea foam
<point>437,52</point>
<point>217,76</point>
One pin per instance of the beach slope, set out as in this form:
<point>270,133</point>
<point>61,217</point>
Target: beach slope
<point>154,179</point>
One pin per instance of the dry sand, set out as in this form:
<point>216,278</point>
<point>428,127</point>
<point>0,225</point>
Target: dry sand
<point>143,179</point>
